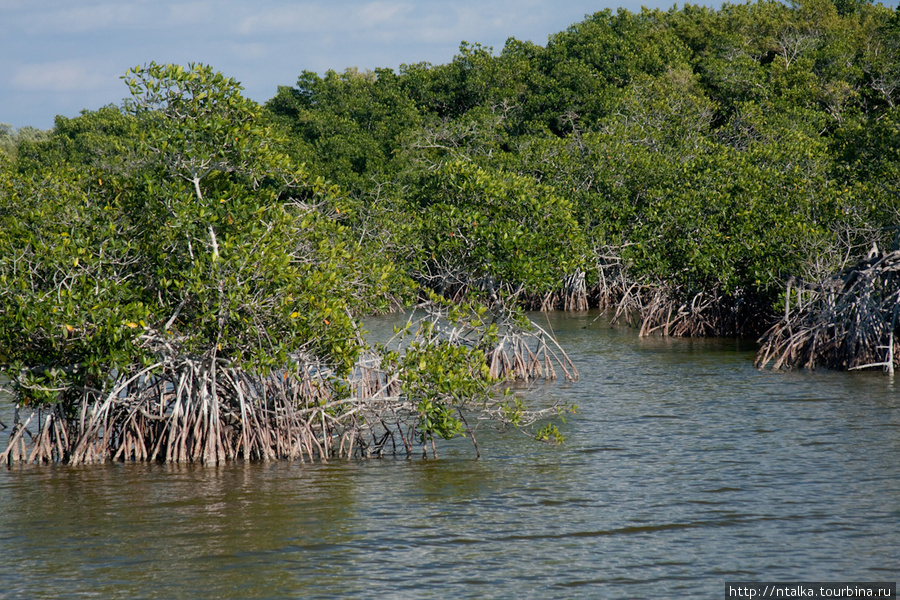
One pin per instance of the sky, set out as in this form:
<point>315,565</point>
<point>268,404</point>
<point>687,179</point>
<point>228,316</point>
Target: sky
<point>59,57</point>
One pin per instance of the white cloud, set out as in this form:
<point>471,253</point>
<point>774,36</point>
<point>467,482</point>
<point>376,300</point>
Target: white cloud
<point>302,18</point>
<point>86,18</point>
<point>250,51</point>
<point>377,14</point>
<point>321,17</point>
<point>60,76</point>
<point>64,55</point>
<point>190,13</point>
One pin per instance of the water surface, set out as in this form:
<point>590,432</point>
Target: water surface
<point>684,468</point>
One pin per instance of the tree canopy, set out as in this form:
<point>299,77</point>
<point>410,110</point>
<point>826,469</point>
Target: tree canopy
<point>710,150</point>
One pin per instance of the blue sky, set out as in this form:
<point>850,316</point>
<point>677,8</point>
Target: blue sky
<point>62,56</point>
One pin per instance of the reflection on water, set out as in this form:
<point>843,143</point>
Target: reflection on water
<point>684,468</point>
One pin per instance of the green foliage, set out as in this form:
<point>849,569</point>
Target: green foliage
<point>449,91</point>
<point>71,307</point>
<point>718,148</point>
<point>100,142</point>
<point>669,112</point>
<point>728,220</point>
<point>182,230</point>
<point>441,377</point>
<point>345,126</point>
<point>549,433</point>
<point>481,224</point>
<point>205,237</point>
<point>11,139</point>
<point>444,369</point>
<point>233,229</point>
<point>709,149</point>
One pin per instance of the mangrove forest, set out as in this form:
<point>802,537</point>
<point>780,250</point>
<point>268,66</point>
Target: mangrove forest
<point>183,276</point>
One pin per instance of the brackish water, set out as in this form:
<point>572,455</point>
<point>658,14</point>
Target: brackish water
<point>684,468</point>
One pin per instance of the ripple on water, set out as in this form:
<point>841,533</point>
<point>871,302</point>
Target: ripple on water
<point>684,468</point>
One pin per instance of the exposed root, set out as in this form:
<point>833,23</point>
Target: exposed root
<point>200,409</point>
<point>673,313</point>
<point>848,321</point>
<point>660,309</point>
<point>513,351</point>
<point>169,414</point>
<point>456,285</point>
<point>572,294</point>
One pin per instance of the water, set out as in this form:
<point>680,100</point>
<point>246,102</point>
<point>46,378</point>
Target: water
<point>684,468</point>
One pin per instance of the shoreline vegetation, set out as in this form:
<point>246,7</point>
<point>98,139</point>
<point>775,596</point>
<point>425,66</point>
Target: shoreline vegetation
<point>201,409</point>
<point>182,276</point>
